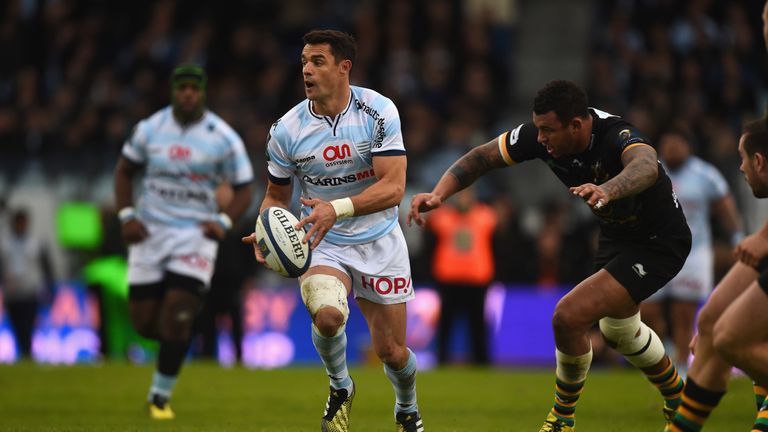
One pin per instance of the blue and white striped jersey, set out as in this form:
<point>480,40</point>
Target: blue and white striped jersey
<point>333,157</point>
<point>697,185</point>
<point>184,165</point>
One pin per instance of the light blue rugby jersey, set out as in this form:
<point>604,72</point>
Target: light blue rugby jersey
<point>184,166</point>
<point>697,185</point>
<point>332,157</point>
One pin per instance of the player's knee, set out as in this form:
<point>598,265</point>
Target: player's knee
<point>328,321</point>
<point>566,318</point>
<point>639,344</point>
<point>705,322</point>
<point>176,323</point>
<point>325,297</point>
<point>725,342</point>
<point>146,329</point>
<point>392,354</point>
<point>145,325</point>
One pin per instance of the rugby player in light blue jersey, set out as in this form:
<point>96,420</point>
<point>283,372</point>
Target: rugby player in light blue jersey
<point>183,153</point>
<point>702,192</point>
<point>344,146</point>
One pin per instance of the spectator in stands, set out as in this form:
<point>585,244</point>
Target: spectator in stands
<point>26,277</point>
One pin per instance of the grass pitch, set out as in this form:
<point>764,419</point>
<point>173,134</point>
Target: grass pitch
<point>109,397</point>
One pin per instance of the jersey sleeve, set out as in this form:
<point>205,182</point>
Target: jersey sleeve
<point>717,185</point>
<point>387,135</point>
<point>520,144</point>
<point>237,167</point>
<point>135,147</point>
<point>624,136</point>
<point>280,165</point>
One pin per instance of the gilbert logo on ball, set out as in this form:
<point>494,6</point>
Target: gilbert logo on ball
<point>280,242</point>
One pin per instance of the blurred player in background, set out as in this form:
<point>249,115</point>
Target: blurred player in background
<point>183,152</point>
<point>644,237</point>
<point>345,147</point>
<point>702,191</point>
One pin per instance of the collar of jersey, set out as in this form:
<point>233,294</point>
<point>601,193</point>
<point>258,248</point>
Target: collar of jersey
<point>331,121</point>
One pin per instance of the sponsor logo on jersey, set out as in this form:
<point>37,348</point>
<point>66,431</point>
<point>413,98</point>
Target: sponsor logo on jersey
<point>386,285</point>
<point>638,268</point>
<point>337,181</point>
<point>380,134</point>
<point>305,159</point>
<point>178,195</point>
<point>625,134</point>
<point>179,152</point>
<point>337,155</point>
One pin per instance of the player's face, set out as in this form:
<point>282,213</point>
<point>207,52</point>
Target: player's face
<point>188,97</point>
<point>323,77</point>
<point>559,139</point>
<point>759,189</point>
<point>674,150</point>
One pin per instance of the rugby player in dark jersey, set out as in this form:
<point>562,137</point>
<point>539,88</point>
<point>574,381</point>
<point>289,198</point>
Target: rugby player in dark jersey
<point>644,238</point>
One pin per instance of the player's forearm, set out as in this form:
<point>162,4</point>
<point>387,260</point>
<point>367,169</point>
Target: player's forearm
<point>637,176</point>
<point>383,194</point>
<point>123,188</point>
<point>240,201</point>
<point>277,196</point>
<point>468,169</point>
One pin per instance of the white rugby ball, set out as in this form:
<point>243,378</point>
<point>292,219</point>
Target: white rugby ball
<point>280,242</point>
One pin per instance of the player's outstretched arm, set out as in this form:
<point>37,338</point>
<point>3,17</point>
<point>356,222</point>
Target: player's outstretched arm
<point>461,174</point>
<point>275,196</point>
<point>753,248</point>
<point>386,192</point>
<point>640,172</point>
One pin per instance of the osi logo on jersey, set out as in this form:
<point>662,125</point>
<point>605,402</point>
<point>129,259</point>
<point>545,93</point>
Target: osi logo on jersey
<point>179,152</point>
<point>337,154</point>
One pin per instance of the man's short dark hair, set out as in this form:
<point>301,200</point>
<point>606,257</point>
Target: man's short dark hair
<point>756,137</point>
<point>343,45</point>
<point>565,98</point>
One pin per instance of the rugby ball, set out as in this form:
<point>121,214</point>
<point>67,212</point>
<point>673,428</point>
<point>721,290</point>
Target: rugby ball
<point>280,242</point>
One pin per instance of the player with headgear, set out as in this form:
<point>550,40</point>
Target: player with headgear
<point>182,153</point>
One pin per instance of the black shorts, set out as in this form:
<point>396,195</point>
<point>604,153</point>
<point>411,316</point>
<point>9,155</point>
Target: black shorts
<point>171,280</point>
<point>643,266</point>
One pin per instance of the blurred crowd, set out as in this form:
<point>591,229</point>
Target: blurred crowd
<point>697,66</point>
<point>76,75</point>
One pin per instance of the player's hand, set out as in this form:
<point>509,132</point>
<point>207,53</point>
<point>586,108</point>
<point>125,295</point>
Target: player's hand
<point>213,230</point>
<point>134,231</point>
<point>322,218</point>
<point>752,249</point>
<point>251,239</point>
<point>592,194</point>
<point>422,203</point>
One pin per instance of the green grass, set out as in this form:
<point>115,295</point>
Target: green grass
<point>109,397</point>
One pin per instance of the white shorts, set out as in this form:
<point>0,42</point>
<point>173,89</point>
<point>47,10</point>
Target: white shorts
<point>695,280</point>
<point>380,270</point>
<point>185,251</point>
